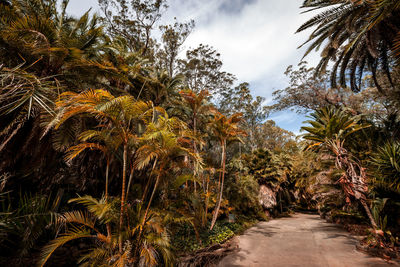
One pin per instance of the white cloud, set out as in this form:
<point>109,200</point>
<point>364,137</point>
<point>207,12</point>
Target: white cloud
<point>79,7</point>
<point>255,37</point>
<point>255,42</point>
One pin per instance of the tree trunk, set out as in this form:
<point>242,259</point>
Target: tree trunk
<point>368,211</point>
<point>171,64</point>
<point>358,179</point>
<point>121,217</point>
<point>206,203</point>
<point>151,199</point>
<point>194,149</point>
<point>145,214</point>
<point>146,189</point>
<point>107,171</point>
<point>217,207</point>
<point>106,196</point>
<point>129,183</point>
<point>148,183</point>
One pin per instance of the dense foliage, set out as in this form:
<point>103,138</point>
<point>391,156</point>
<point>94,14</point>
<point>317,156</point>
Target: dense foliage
<point>116,149</point>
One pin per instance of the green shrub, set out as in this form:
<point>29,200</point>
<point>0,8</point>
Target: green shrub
<point>184,238</point>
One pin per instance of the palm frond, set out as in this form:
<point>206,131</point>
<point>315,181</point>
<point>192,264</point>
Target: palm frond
<point>73,234</point>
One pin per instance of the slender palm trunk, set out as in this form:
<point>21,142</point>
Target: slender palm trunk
<point>206,202</point>
<point>147,211</point>
<point>121,217</point>
<point>194,149</point>
<point>151,197</point>
<point>217,207</point>
<point>219,179</point>
<point>107,172</point>
<point>129,182</point>
<point>148,182</point>
<point>146,189</point>
<point>106,196</point>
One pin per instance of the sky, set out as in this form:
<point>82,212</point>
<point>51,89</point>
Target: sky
<point>256,39</point>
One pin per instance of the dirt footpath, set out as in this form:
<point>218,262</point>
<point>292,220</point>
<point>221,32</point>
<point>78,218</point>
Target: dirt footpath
<point>301,240</point>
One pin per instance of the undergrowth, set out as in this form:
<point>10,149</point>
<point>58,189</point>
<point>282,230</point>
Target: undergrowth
<point>184,239</point>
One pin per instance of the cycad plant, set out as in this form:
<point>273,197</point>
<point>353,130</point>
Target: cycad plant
<point>23,96</point>
<point>386,160</point>
<point>330,129</point>
<point>34,31</point>
<point>24,221</point>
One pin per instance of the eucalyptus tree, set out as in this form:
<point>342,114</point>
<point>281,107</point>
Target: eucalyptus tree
<point>270,136</point>
<point>134,21</point>
<point>202,68</point>
<point>307,92</point>
<point>172,39</point>
<point>331,129</point>
<point>239,99</point>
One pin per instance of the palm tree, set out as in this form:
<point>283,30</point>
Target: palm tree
<point>195,108</point>
<point>23,96</point>
<point>119,115</point>
<point>35,33</point>
<point>163,87</point>
<point>384,10</point>
<point>356,35</point>
<point>42,52</point>
<point>165,145</point>
<point>85,225</point>
<point>330,129</point>
<point>101,140</point>
<point>104,251</point>
<point>107,149</point>
<point>225,129</point>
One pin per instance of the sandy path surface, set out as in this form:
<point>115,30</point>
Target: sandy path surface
<point>301,240</point>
